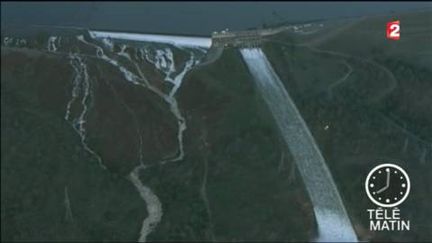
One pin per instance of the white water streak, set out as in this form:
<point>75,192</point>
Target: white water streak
<point>68,213</point>
<point>81,87</point>
<point>163,60</point>
<point>330,213</point>
<point>108,43</point>
<point>124,53</point>
<point>7,40</point>
<point>185,41</point>
<point>154,207</point>
<point>75,86</point>
<point>52,44</point>
<point>14,42</point>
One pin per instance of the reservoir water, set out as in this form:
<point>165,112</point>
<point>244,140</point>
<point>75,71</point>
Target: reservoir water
<point>194,18</point>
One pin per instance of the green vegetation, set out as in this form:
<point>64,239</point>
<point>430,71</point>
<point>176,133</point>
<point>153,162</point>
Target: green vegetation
<point>379,113</point>
<point>365,100</point>
<point>41,159</point>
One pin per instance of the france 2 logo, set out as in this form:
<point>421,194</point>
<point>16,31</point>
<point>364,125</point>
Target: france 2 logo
<point>393,30</point>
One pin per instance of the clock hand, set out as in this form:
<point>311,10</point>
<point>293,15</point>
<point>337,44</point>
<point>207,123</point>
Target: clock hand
<point>388,178</point>
<point>387,183</point>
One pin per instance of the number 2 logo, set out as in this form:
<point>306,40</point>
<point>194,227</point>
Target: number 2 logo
<point>393,30</point>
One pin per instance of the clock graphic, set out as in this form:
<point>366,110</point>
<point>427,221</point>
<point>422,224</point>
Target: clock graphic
<point>387,185</point>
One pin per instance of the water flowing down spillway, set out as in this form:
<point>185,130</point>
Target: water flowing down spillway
<point>128,54</point>
<point>331,217</point>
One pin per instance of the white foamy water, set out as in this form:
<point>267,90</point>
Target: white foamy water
<point>52,43</point>
<point>331,217</point>
<point>163,60</point>
<point>154,206</point>
<point>185,41</point>
<point>81,87</point>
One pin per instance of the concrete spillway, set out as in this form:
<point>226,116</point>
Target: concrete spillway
<point>331,217</point>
